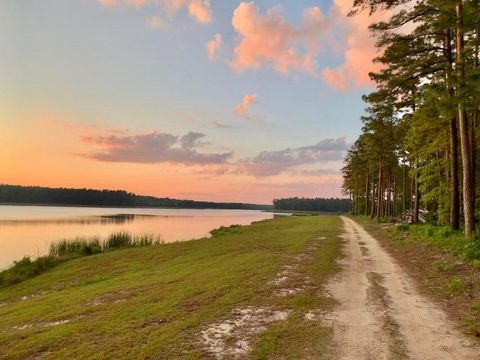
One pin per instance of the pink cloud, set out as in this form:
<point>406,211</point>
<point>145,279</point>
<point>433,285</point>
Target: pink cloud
<point>153,148</point>
<point>200,10</point>
<point>270,40</point>
<point>155,22</point>
<point>213,46</point>
<point>247,102</point>
<point>359,50</point>
<point>136,3</point>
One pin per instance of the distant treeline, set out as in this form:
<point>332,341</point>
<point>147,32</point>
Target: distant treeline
<point>89,197</point>
<point>317,204</point>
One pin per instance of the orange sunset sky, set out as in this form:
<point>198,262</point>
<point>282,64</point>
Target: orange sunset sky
<point>206,100</point>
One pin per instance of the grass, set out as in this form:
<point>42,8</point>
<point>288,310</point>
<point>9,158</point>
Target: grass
<point>152,302</point>
<point>69,249</point>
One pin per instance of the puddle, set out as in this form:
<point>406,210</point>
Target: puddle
<point>233,338</point>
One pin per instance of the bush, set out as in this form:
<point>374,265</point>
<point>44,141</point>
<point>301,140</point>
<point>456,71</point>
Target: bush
<point>26,268</point>
<point>471,250</point>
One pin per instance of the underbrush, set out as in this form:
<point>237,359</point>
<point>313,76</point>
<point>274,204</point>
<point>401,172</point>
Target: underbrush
<point>69,249</point>
<point>446,239</point>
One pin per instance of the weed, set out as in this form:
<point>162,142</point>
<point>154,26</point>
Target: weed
<point>456,285</point>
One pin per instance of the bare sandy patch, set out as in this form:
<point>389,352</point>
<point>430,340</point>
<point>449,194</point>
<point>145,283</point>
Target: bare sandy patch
<point>233,338</point>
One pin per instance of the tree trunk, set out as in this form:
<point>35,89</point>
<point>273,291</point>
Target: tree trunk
<point>356,196</point>
<point>452,139</point>
<point>454,189</point>
<point>416,204</point>
<point>394,204</point>
<point>404,189</point>
<point>367,194</point>
<point>473,135</point>
<point>380,189</point>
<point>468,201</point>
<point>372,210</point>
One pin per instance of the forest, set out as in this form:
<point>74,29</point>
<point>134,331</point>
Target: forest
<point>318,204</point>
<point>88,197</point>
<point>417,152</point>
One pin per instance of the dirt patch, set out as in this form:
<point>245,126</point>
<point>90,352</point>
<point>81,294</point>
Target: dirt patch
<point>46,324</point>
<point>111,298</point>
<point>364,251</point>
<point>400,319</point>
<point>315,315</point>
<point>433,271</point>
<point>233,338</point>
<point>379,298</point>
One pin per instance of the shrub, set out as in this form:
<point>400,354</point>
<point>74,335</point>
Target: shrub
<point>471,250</point>
<point>26,268</point>
<point>456,285</point>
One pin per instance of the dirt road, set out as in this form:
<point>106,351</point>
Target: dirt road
<point>381,315</point>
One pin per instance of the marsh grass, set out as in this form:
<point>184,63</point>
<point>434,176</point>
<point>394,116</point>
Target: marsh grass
<point>69,249</point>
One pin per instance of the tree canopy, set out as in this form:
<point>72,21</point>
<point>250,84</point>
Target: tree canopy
<point>418,146</point>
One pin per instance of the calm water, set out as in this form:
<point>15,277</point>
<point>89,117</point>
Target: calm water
<point>29,230</point>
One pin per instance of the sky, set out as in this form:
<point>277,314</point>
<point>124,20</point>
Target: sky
<point>216,100</point>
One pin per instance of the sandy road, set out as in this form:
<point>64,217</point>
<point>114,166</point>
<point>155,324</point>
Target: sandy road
<point>381,315</point>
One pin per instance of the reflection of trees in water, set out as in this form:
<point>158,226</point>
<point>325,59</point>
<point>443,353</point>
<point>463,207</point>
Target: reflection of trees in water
<point>84,220</point>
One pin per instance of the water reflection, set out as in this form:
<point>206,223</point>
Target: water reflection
<point>88,220</point>
<point>29,230</point>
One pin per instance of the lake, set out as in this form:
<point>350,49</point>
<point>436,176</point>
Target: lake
<point>29,230</point>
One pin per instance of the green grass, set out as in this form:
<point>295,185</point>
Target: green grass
<point>69,249</point>
<point>152,302</point>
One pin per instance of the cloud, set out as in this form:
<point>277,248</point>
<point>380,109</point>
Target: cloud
<point>221,125</point>
<point>269,163</point>
<point>135,3</point>
<point>247,102</point>
<point>200,10</point>
<point>359,49</point>
<point>213,46</point>
<point>152,148</point>
<point>270,40</point>
<point>155,22</point>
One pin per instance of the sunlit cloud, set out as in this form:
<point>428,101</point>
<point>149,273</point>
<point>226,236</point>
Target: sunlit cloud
<point>360,49</point>
<point>269,163</point>
<point>270,40</point>
<point>243,108</point>
<point>213,46</point>
<point>200,10</point>
<point>155,22</point>
<point>152,148</point>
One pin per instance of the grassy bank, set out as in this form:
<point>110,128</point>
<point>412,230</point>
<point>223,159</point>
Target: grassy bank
<point>154,302</point>
<point>445,266</point>
<point>65,250</point>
